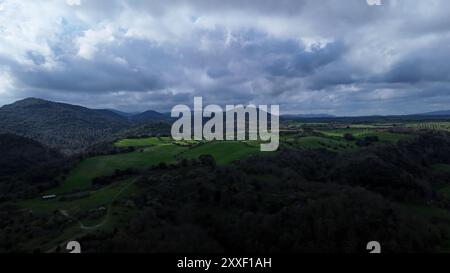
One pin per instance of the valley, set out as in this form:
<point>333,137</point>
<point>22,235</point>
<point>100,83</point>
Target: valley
<point>130,189</point>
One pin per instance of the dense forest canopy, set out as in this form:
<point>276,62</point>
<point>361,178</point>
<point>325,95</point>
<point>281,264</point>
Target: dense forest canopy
<point>28,167</point>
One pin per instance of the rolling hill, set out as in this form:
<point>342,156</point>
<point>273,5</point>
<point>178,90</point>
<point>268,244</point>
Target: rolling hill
<point>19,154</point>
<point>27,166</point>
<point>150,116</point>
<point>58,125</point>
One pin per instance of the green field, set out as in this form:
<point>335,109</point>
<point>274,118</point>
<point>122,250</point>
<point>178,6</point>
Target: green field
<point>143,142</point>
<point>81,176</point>
<point>223,152</point>
<point>186,142</point>
<point>97,198</point>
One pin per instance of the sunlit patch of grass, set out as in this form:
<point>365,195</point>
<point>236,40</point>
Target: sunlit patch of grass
<point>143,142</point>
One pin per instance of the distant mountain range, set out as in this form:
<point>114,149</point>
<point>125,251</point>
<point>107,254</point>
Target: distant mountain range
<point>120,113</point>
<point>72,128</point>
<point>306,116</point>
<point>150,115</point>
<point>435,113</point>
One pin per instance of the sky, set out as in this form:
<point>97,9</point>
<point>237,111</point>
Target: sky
<point>340,57</point>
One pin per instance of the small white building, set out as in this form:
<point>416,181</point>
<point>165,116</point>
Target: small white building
<point>50,196</point>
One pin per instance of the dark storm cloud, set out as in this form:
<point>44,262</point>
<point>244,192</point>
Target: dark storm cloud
<point>301,63</point>
<point>431,65</point>
<point>340,73</point>
<point>340,57</point>
<point>133,65</point>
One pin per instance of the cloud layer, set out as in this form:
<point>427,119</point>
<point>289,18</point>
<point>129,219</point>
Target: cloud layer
<point>309,56</point>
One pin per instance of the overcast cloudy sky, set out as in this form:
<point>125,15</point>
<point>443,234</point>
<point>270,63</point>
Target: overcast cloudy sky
<point>340,57</point>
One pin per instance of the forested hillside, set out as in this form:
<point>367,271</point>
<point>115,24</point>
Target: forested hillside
<point>28,167</point>
<point>150,116</point>
<point>66,127</point>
